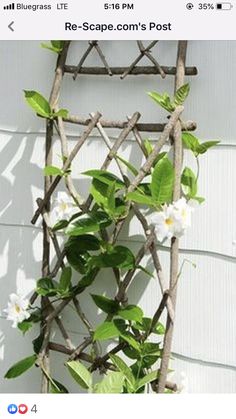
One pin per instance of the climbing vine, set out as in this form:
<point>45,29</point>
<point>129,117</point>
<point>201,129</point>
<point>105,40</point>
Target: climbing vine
<point>162,188</point>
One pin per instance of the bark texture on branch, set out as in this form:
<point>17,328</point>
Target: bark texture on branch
<point>66,166</point>
<point>174,253</point>
<point>53,100</point>
<point>136,71</point>
<point>141,127</point>
<point>160,143</point>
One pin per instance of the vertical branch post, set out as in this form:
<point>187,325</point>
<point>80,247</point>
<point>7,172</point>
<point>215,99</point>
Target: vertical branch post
<point>174,253</point>
<point>46,235</point>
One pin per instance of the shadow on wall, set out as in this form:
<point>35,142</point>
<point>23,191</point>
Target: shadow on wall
<point>19,266</point>
<point>21,249</point>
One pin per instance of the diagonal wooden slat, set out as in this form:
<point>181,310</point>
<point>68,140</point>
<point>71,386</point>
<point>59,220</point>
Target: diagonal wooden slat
<point>92,45</point>
<point>66,165</point>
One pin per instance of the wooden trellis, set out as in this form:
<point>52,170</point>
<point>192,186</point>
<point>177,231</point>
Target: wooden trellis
<point>172,129</point>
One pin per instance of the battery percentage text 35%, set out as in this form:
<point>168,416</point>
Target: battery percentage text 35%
<point>206,6</point>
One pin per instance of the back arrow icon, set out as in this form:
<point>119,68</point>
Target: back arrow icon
<point>10,26</point>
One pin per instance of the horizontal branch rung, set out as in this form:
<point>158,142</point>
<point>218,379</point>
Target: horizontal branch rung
<point>142,127</point>
<point>137,71</point>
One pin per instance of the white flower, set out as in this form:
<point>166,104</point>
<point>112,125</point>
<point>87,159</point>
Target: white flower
<point>183,385</point>
<point>63,207</point>
<point>182,214</point>
<point>164,222</point>
<point>173,220</point>
<point>17,309</point>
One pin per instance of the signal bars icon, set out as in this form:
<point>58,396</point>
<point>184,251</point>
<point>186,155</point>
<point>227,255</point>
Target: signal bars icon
<point>10,6</point>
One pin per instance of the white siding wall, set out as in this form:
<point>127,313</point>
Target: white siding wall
<point>205,334</point>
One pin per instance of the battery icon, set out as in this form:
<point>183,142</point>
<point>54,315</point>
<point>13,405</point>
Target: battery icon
<point>224,6</point>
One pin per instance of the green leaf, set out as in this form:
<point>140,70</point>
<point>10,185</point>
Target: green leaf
<point>162,100</point>
<point>189,181</point>
<point>86,280</point>
<point>127,336</point>
<point>120,207</point>
<point>38,103</point>
<point>150,354</point>
<point>105,304</point>
<point>159,329</point>
<point>105,177</point>
<point>37,342</point>
<point>58,44</point>
<point>83,243</point>
<point>65,279</point>
<point>62,113</point>
<point>57,387</point>
<point>131,313</point>
<point>60,225</point>
<point>199,199</point>
<point>149,360</point>
<point>144,188</point>
<point>150,348</point>
<point>159,157</point>
<point>111,384</point>
<point>25,326</point>
<point>140,198</point>
<point>35,316</point>
<point>79,261</point>
<point>152,376</point>
<point>106,330</point>
<point>146,271</point>
<point>148,146</point>
<point>145,326</point>
<point>98,191</point>
<point>53,171</point>
<point>88,224</point>
<point>193,143</point>
<point>162,181</point>
<point>131,352</point>
<point>82,226</point>
<point>46,286</point>
<point>202,148</point>
<point>131,168</point>
<point>104,196</point>
<point>102,218</point>
<point>47,46</point>
<point>111,204</point>
<point>80,374</point>
<point>110,330</point>
<point>20,367</point>
<point>55,46</point>
<point>190,141</point>
<point>119,256</point>
<point>123,367</point>
<point>181,94</point>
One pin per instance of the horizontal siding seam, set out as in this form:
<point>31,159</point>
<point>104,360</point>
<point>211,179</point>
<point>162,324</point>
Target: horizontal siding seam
<point>164,248</point>
<point>203,362</point>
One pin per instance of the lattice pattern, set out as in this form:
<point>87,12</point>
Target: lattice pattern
<point>171,129</point>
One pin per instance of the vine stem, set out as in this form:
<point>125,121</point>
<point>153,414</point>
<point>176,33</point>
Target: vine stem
<point>174,252</point>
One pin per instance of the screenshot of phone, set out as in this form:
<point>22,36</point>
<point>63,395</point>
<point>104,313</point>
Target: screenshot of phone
<point>117,208</point>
